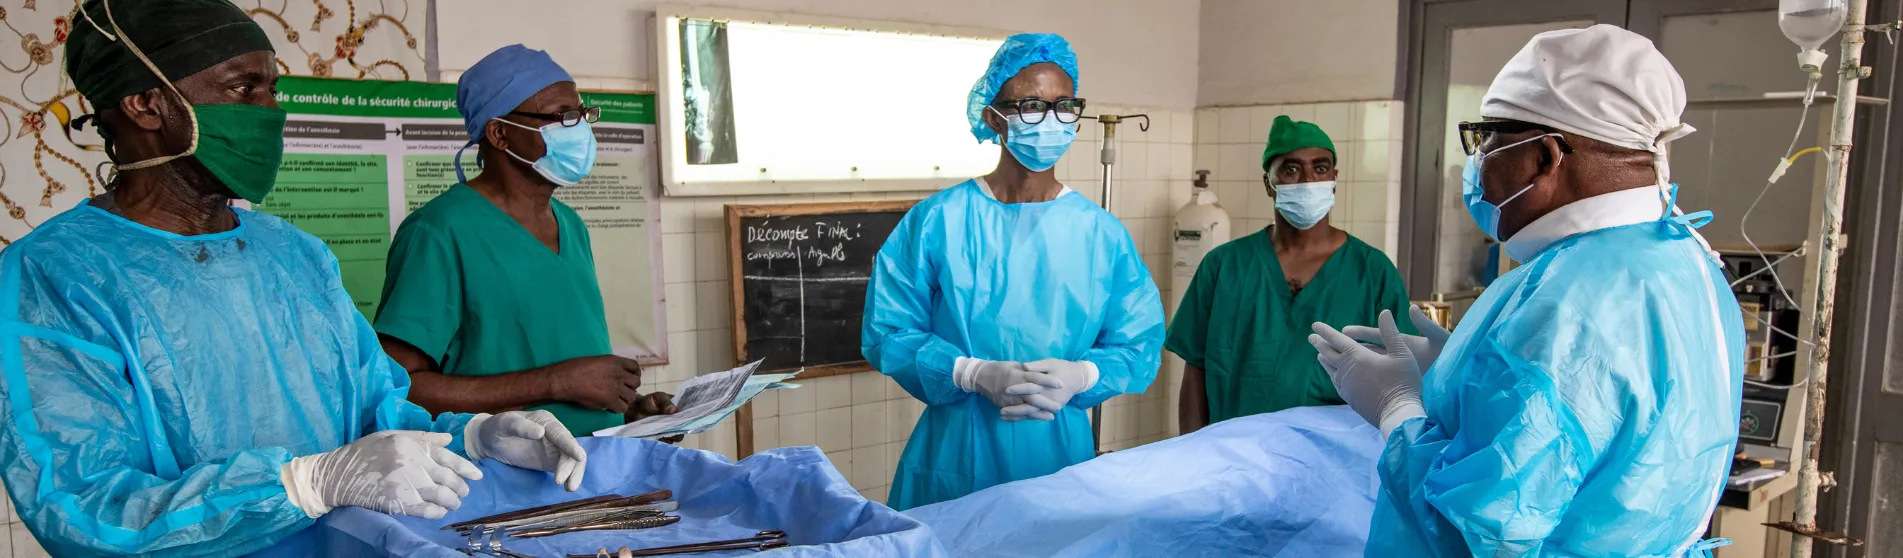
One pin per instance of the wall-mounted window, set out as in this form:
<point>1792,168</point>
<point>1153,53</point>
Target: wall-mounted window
<point>755,103</point>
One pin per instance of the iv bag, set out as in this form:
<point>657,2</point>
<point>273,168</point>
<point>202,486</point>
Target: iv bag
<point>1810,23</point>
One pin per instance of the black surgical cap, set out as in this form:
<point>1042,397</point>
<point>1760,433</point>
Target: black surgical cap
<point>181,37</point>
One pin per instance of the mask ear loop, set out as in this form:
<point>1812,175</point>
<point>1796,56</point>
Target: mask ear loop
<point>193,116</point>
<point>1007,124</point>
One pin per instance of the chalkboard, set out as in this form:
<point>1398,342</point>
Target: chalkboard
<point>799,275</point>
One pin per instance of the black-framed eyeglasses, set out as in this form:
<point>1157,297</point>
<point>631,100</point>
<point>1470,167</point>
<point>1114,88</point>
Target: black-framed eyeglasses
<point>1068,109</point>
<point>1475,134</point>
<point>568,118</point>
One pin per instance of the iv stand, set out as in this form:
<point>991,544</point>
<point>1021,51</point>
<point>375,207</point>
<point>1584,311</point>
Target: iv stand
<point>1108,156</point>
<point>1810,481</point>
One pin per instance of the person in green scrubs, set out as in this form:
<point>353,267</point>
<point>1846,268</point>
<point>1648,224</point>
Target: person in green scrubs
<point>490,300</point>
<point>1243,325</point>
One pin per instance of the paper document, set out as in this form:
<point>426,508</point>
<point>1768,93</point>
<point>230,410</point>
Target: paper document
<point>1755,475</point>
<point>703,403</point>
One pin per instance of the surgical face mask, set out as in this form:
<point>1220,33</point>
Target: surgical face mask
<point>240,144</point>
<point>570,153</point>
<point>1038,146</point>
<point>1305,204</point>
<point>1485,214</point>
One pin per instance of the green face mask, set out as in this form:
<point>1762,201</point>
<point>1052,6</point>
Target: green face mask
<point>242,145</point>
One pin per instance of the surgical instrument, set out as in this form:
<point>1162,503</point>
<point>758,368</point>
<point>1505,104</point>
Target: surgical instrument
<point>604,525</point>
<point>764,540</point>
<point>498,553</point>
<point>582,516</point>
<point>604,501</point>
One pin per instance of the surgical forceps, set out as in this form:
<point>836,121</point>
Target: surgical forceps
<point>648,522</point>
<point>604,501</point>
<point>764,540</point>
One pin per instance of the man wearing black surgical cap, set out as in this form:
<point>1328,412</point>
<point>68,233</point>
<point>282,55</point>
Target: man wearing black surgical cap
<point>186,378</point>
<point>490,299</point>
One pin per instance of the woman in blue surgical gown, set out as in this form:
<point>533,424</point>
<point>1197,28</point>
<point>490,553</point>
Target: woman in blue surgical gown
<point>968,277</point>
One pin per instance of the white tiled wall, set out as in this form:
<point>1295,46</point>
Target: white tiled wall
<point>1367,136</point>
<point>862,421</point>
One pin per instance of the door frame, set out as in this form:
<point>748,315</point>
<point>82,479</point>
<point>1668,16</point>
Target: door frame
<point>1868,332</point>
<point>1429,40</point>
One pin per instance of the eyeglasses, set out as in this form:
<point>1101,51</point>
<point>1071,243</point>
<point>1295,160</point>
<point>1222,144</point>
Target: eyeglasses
<point>1475,134</point>
<point>1033,109</point>
<point>568,118</point>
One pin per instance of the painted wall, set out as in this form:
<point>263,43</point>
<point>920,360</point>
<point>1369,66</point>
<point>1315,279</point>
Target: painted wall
<point>1132,52</point>
<point>1296,51</point>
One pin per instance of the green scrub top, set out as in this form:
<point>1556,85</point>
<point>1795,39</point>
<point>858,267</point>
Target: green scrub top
<point>1240,323</point>
<point>473,289</point>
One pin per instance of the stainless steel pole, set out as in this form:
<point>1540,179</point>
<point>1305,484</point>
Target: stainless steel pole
<point>1108,156</point>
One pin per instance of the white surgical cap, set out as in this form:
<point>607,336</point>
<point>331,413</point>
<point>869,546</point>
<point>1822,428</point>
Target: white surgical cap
<point>1601,82</point>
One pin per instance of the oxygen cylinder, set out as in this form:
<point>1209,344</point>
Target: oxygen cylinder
<point>1201,225</point>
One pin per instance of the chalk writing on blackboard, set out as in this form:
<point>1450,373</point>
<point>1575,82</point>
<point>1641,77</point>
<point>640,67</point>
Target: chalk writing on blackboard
<point>800,274</point>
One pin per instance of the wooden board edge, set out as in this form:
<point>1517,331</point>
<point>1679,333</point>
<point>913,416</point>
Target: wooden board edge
<point>820,208</point>
<point>736,284</point>
<point>816,372</point>
<point>743,431</point>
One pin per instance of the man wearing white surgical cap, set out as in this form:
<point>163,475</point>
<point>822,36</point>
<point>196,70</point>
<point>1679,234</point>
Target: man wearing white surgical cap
<point>1588,404</point>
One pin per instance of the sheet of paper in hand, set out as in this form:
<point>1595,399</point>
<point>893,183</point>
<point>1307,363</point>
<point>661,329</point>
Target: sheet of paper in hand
<point>704,402</point>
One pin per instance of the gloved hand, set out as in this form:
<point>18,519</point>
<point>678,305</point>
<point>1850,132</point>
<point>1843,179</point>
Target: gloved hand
<point>991,378</point>
<point>395,471</point>
<point>1073,377</point>
<point>1426,347</point>
<point>1384,388</point>
<point>530,440</point>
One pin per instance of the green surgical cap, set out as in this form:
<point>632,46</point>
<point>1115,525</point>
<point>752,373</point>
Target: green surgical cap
<point>180,36</point>
<point>1289,136</point>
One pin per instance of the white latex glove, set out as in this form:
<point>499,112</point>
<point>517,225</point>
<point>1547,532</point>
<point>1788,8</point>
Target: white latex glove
<point>1384,388</point>
<point>992,378</point>
<point>1074,377</point>
<point>1426,347</point>
<point>530,440</point>
<point>395,471</point>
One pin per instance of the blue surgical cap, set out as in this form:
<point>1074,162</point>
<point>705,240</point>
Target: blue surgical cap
<point>497,84</point>
<point>500,82</point>
<point>1013,56</point>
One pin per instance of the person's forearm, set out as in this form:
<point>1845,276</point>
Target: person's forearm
<point>443,393</point>
<point>1192,409</point>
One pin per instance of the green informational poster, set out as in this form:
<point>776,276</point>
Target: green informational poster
<point>360,155</point>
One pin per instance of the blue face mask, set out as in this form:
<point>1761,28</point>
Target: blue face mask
<point>570,155</point>
<point>1485,214</point>
<point>1038,146</point>
<point>1305,204</point>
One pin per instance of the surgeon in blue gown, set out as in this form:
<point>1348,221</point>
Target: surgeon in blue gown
<point>1010,304</point>
<point>183,378</point>
<point>1587,405</point>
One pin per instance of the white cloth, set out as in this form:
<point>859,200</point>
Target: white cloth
<point>1604,211</point>
<point>1601,82</point>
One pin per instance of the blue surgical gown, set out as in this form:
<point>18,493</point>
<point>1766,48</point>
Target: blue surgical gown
<point>964,275</point>
<point>154,384</point>
<point>1587,405</point>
